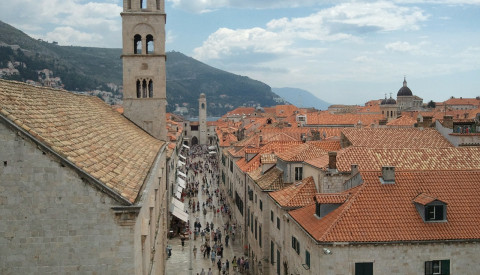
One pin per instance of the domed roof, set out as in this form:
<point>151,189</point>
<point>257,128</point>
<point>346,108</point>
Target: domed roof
<point>389,101</point>
<point>404,91</point>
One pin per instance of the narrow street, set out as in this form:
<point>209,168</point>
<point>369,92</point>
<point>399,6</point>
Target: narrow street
<point>182,260</point>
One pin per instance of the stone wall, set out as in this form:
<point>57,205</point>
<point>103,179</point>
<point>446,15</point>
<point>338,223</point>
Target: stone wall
<point>53,222</point>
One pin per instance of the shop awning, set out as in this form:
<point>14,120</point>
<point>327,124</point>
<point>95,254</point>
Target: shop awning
<point>185,146</point>
<point>180,163</point>
<point>181,182</point>
<point>182,157</point>
<point>211,147</point>
<point>178,194</point>
<point>182,174</point>
<point>212,152</point>
<point>180,214</point>
<point>178,204</point>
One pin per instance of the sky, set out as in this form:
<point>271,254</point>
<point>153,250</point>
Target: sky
<point>343,52</point>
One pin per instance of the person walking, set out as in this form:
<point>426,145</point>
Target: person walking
<point>194,251</point>
<point>212,256</point>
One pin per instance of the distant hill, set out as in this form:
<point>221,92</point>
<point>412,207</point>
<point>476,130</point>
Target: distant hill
<point>86,69</point>
<point>301,98</point>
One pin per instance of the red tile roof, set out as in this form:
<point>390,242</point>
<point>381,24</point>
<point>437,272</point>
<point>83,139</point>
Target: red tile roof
<point>377,212</point>
<point>84,130</point>
<point>296,195</point>
<point>395,138</point>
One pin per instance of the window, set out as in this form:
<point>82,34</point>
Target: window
<point>144,88</point>
<point>150,47</point>
<point>143,4</point>
<point>278,262</point>
<point>231,166</point>
<point>363,268</point>
<point>298,173</point>
<point>251,221</point>
<point>261,205</point>
<point>296,245</point>
<point>248,215</point>
<point>272,252</point>
<point>434,213</point>
<point>307,258</point>
<point>150,88</point>
<point>437,267</point>
<point>278,223</point>
<point>260,235</point>
<point>256,229</point>
<point>137,44</point>
<point>271,215</point>
<point>139,89</point>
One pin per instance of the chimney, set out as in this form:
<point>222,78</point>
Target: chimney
<point>332,160</point>
<point>388,174</point>
<point>354,169</point>
<point>427,121</point>
<point>260,138</point>
<point>448,121</point>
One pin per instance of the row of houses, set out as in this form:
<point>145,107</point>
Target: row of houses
<point>344,198</point>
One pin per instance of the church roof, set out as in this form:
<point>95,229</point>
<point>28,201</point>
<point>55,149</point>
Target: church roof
<point>85,131</point>
<point>404,91</point>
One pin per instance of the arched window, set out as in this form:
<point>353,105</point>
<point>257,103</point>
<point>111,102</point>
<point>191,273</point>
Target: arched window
<point>137,44</point>
<point>144,88</point>
<point>150,47</point>
<point>139,89</point>
<point>203,105</point>
<point>150,88</point>
<point>143,4</point>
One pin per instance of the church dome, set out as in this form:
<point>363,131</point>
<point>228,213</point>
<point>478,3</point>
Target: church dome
<point>389,101</point>
<point>404,91</point>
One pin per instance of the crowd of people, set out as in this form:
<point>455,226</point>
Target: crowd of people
<point>207,200</point>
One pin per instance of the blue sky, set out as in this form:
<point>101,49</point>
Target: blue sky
<point>341,51</point>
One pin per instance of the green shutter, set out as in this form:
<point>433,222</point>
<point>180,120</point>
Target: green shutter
<point>428,268</point>
<point>445,267</point>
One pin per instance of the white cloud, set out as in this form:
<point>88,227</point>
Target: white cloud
<point>342,22</point>
<point>202,6</point>
<point>95,20</point>
<point>400,46</point>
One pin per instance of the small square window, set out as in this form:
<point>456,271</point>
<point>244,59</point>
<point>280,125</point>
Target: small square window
<point>437,267</point>
<point>434,213</point>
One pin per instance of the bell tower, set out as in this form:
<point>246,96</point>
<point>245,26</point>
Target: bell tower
<point>143,56</point>
<point>202,119</point>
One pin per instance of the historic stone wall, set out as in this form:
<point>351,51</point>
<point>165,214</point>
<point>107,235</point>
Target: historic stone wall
<point>51,220</point>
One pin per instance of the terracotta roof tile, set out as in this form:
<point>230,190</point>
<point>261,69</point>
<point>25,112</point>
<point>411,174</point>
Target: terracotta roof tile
<point>296,195</point>
<point>377,212</point>
<point>270,180</point>
<point>396,138</point>
<point>84,130</point>
<point>302,152</point>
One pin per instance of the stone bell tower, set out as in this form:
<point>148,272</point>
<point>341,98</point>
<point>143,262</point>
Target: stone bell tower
<point>202,119</point>
<point>144,78</point>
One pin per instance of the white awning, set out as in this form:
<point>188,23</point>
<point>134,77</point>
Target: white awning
<point>179,188</point>
<point>182,157</point>
<point>212,152</point>
<point>180,214</point>
<point>180,163</point>
<point>178,194</point>
<point>181,182</point>
<point>212,147</point>
<point>185,146</point>
<point>182,174</point>
<point>178,204</point>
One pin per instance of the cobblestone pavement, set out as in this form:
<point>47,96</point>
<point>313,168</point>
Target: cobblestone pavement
<point>179,263</point>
